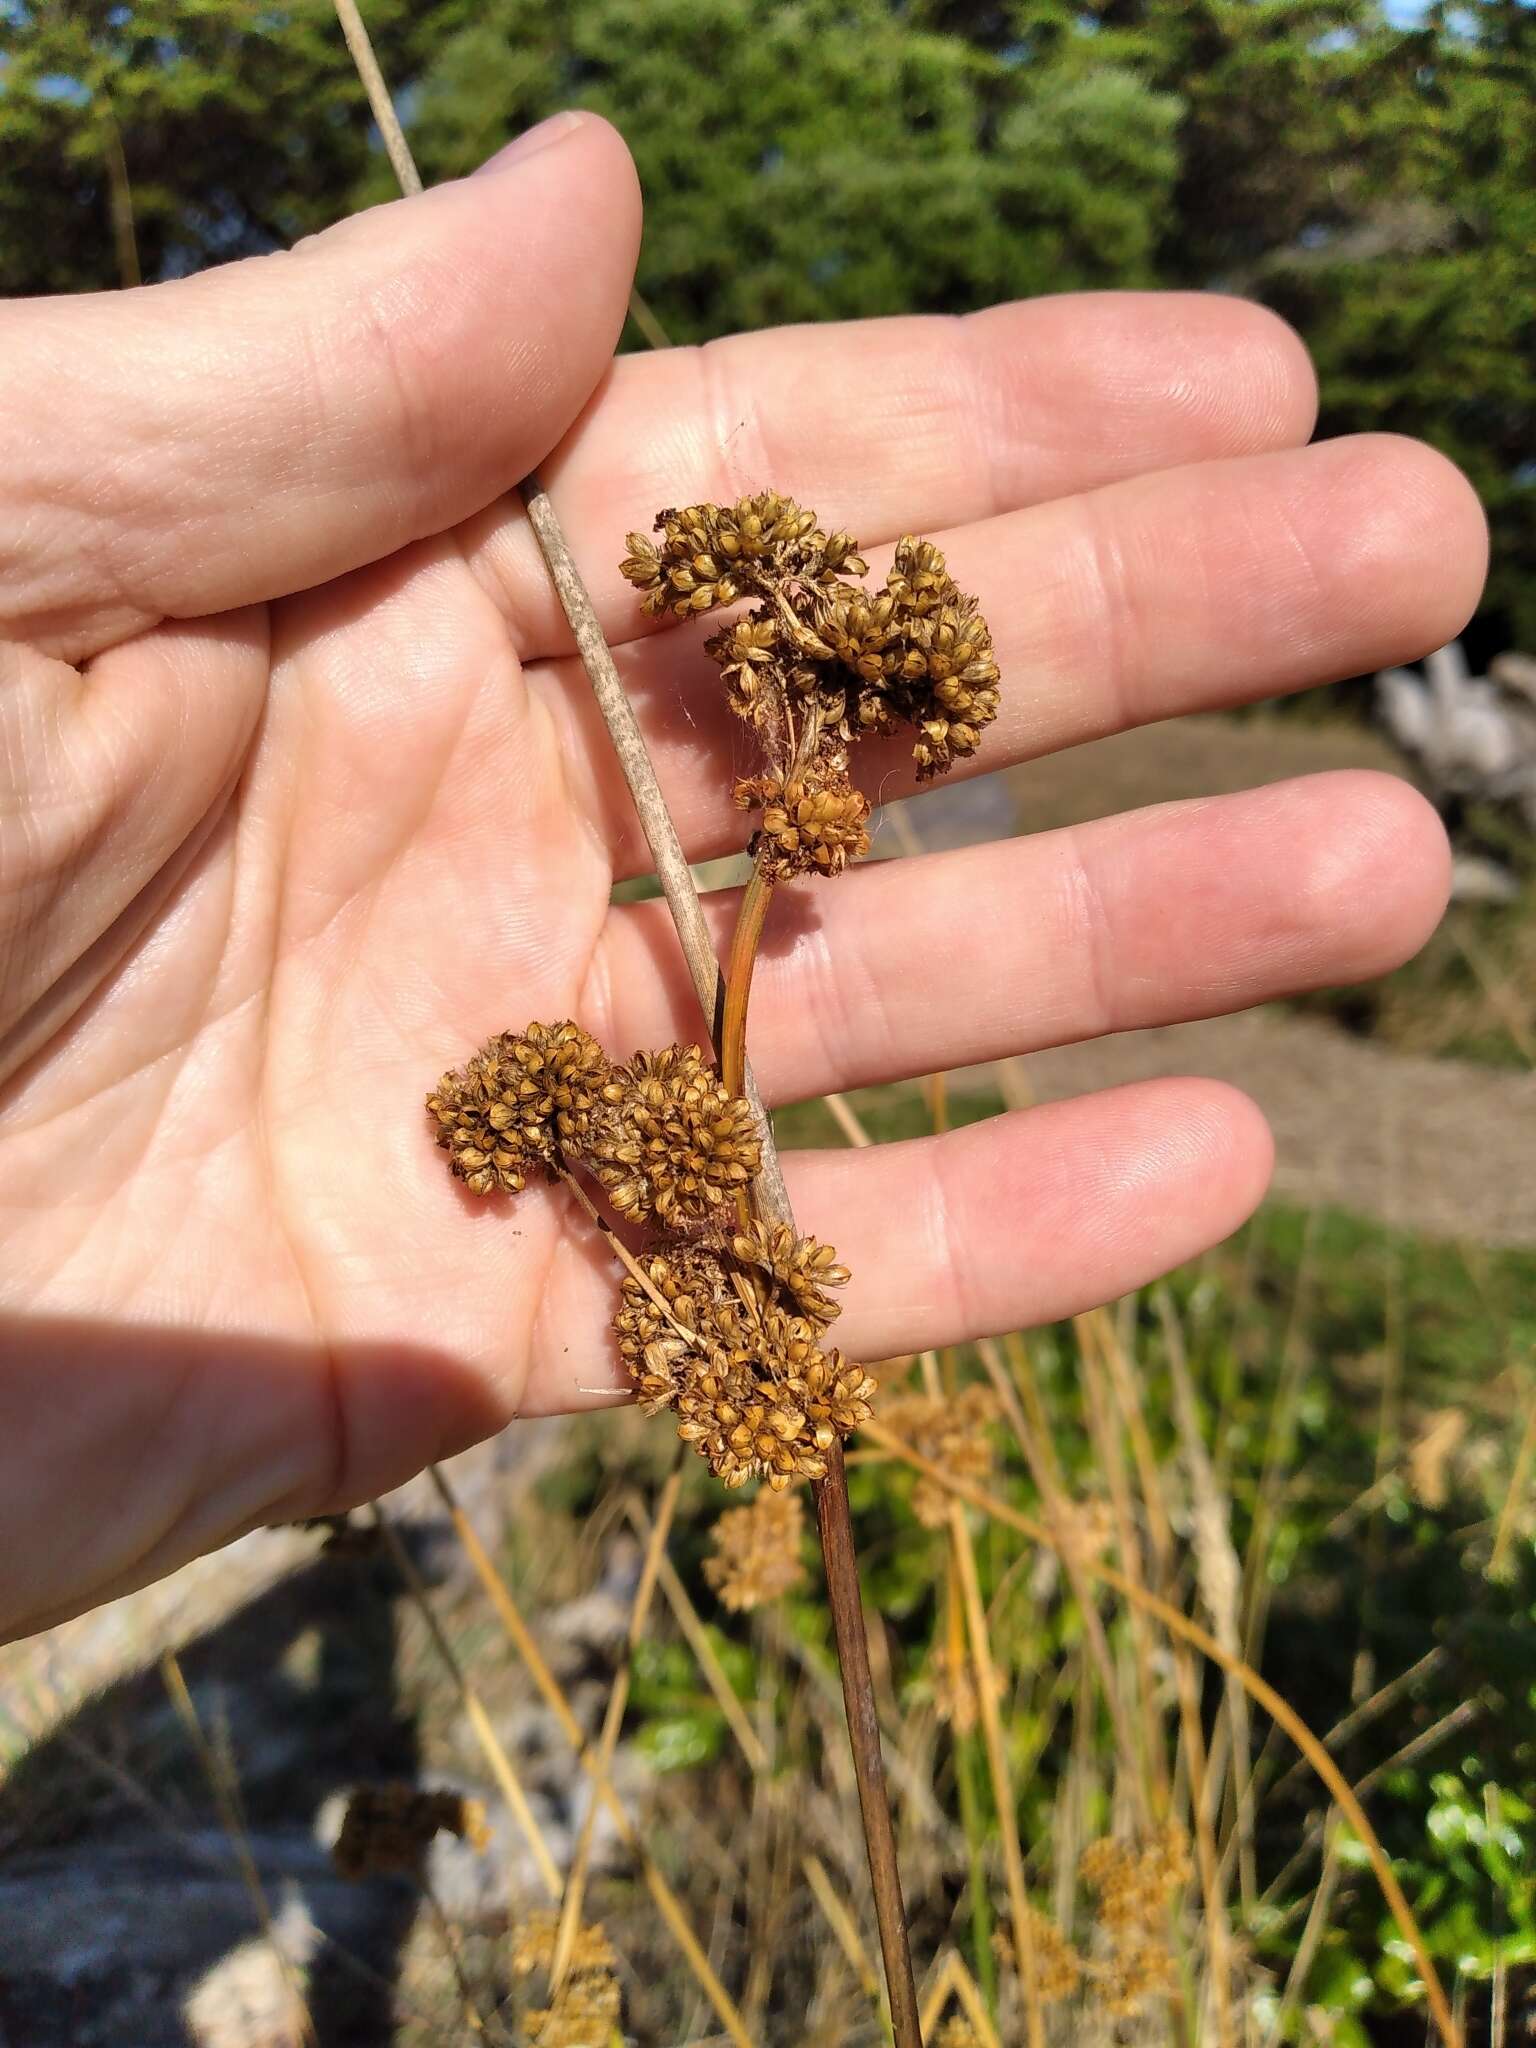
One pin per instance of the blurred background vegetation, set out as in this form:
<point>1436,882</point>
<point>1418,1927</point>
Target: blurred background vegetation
<point>1362,1390</point>
<point>1369,170</point>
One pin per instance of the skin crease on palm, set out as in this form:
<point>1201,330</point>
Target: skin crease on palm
<point>302,795</point>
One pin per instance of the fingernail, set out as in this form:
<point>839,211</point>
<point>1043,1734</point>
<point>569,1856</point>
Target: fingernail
<point>535,139</point>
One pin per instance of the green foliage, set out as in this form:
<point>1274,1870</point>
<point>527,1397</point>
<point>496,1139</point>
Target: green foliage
<point>825,159</point>
<point>241,128</point>
<point>819,159</point>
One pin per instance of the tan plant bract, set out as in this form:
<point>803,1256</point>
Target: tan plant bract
<point>756,1555</point>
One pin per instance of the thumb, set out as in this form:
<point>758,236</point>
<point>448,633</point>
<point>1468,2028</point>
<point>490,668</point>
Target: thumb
<point>189,447</point>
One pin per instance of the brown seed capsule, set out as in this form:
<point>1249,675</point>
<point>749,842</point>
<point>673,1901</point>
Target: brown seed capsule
<point>671,1141</point>
<point>523,1103</point>
<point>813,824</point>
<point>752,1389</point>
<point>802,1268</point>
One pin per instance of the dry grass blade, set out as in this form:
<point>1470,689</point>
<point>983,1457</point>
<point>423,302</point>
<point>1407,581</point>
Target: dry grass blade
<point>1219,1572</point>
<point>494,1751</point>
<point>227,1799</point>
<point>613,1718</point>
<point>697,1638</point>
<point>840,1920</point>
<point>522,1640</point>
<point>1274,1704</point>
<point>1514,1500</point>
<point>997,1765</point>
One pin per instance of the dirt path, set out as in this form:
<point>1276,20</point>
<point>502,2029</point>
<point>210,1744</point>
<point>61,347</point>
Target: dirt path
<point>1431,1145</point>
<point>1437,1145</point>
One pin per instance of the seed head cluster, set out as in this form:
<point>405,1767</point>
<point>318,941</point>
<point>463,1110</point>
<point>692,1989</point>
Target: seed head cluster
<point>524,1104</point>
<point>821,660</point>
<point>671,1142</point>
<point>587,2009</point>
<point>726,1328</point>
<point>756,1554</point>
<point>662,1135</point>
<point>729,1340</point>
<point>951,1432</point>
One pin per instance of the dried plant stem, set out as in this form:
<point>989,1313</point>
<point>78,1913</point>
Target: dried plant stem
<point>382,107</point>
<point>1514,1500</point>
<point>840,1920</point>
<point>672,869</point>
<point>491,1745</point>
<point>953,1980</point>
<point>227,1799</point>
<point>997,1765</point>
<point>474,2018</point>
<point>613,1718</point>
<point>682,898</point>
<point>1274,1704</point>
<point>1018,1391</point>
<point>521,1637</point>
<point>836,1526</point>
<point>696,1636</point>
<point>745,941</point>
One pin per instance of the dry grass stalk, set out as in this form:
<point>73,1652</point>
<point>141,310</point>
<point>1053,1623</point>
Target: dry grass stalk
<point>507,1781</point>
<point>1515,1501</point>
<point>1149,1784</point>
<point>697,1638</point>
<point>613,1720</point>
<point>844,1932</point>
<point>1220,1574</point>
<point>226,1794</point>
<point>522,1640</point>
<point>1274,1704</point>
<point>1021,1400</point>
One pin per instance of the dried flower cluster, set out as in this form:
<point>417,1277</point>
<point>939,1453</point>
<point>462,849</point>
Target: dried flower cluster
<point>387,1829</point>
<point>820,661</point>
<point>1056,1966</point>
<point>756,1555</point>
<point>728,1336</point>
<point>951,1433</point>
<point>1135,1888</point>
<point>726,1328</point>
<point>1133,1961</point>
<point>659,1132</point>
<point>585,2012</point>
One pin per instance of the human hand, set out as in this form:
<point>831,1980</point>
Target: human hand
<point>303,795</point>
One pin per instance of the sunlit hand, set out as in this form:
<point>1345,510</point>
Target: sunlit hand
<point>302,795</point>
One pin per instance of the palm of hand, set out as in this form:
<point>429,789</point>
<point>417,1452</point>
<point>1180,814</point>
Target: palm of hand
<point>267,868</point>
<point>388,865</point>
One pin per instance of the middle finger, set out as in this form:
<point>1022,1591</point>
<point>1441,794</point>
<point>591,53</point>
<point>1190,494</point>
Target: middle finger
<point>1188,910</point>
